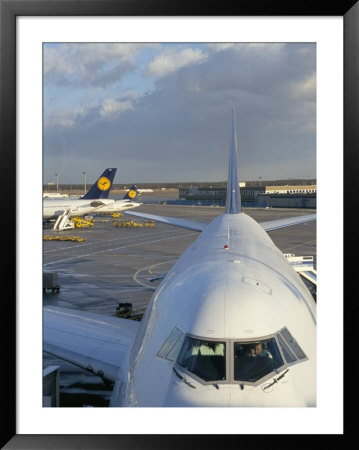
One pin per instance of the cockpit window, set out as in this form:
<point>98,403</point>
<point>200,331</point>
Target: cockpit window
<point>290,347</point>
<point>206,359</point>
<point>172,345</point>
<point>232,360</point>
<point>255,360</point>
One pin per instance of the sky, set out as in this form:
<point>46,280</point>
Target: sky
<point>162,112</point>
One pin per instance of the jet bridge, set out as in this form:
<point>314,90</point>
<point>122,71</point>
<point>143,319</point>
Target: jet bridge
<point>310,275</point>
<point>304,265</point>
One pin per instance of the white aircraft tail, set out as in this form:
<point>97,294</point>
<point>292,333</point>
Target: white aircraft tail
<point>233,200</point>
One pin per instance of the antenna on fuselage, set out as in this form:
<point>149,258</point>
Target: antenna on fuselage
<point>233,200</point>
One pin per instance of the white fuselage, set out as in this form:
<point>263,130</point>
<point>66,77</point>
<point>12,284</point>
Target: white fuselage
<point>244,293</point>
<point>52,208</point>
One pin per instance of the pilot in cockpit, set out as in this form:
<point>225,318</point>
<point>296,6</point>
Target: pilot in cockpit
<point>258,350</point>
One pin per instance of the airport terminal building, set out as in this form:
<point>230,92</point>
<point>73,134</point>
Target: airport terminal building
<point>255,196</point>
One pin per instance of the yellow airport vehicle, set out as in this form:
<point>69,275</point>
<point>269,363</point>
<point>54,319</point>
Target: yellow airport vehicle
<point>125,223</point>
<point>132,223</point>
<point>49,237</point>
<point>82,223</point>
<point>115,215</point>
<point>128,224</point>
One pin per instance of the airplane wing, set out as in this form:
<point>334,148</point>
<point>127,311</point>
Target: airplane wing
<point>199,226</point>
<point>183,223</point>
<point>281,223</point>
<point>95,342</point>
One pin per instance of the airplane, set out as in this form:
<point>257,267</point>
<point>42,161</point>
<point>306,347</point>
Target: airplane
<point>120,205</point>
<point>143,191</point>
<point>95,200</point>
<point>231,324</point>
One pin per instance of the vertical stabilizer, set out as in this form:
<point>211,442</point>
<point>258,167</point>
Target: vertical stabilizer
<point>233,200</point>
<point>131,194</point>
<point>102,187</point>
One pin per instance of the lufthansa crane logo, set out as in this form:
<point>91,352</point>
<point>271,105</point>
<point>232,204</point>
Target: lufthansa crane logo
<point>103,183</point>
<point>132,193</point>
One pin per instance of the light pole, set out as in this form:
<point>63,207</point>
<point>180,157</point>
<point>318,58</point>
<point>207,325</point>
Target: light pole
<point>260,181</point>
<point>57,182</point>
<point>84,174</point>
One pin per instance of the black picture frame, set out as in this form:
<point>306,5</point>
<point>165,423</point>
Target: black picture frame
<point>9,10</point>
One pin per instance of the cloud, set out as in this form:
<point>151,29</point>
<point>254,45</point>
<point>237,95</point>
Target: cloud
<point>179,131</point>
<point>112,107</point>
<point>305,89</point>
<point>63,117</point>
<point>173,59</point>
<point>98,64</point>
<point>218,47</point>
<point>93,114</point>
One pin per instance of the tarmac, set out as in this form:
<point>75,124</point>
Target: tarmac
<point>115,264</point>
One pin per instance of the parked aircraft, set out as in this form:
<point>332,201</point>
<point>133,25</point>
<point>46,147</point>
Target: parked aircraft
<point>231,324</point>
<point>120,205</point>
<point>96,196</point>
<point>143,191</point>
<point>95,200</point>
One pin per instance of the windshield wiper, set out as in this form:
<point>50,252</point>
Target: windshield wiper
<point>183,379</point>
<point>275,380</point>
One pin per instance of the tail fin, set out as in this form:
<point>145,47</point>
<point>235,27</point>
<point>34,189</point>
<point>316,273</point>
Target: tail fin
<point>131,194</point>
<point>102,187</point>
<point>233,200</point>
